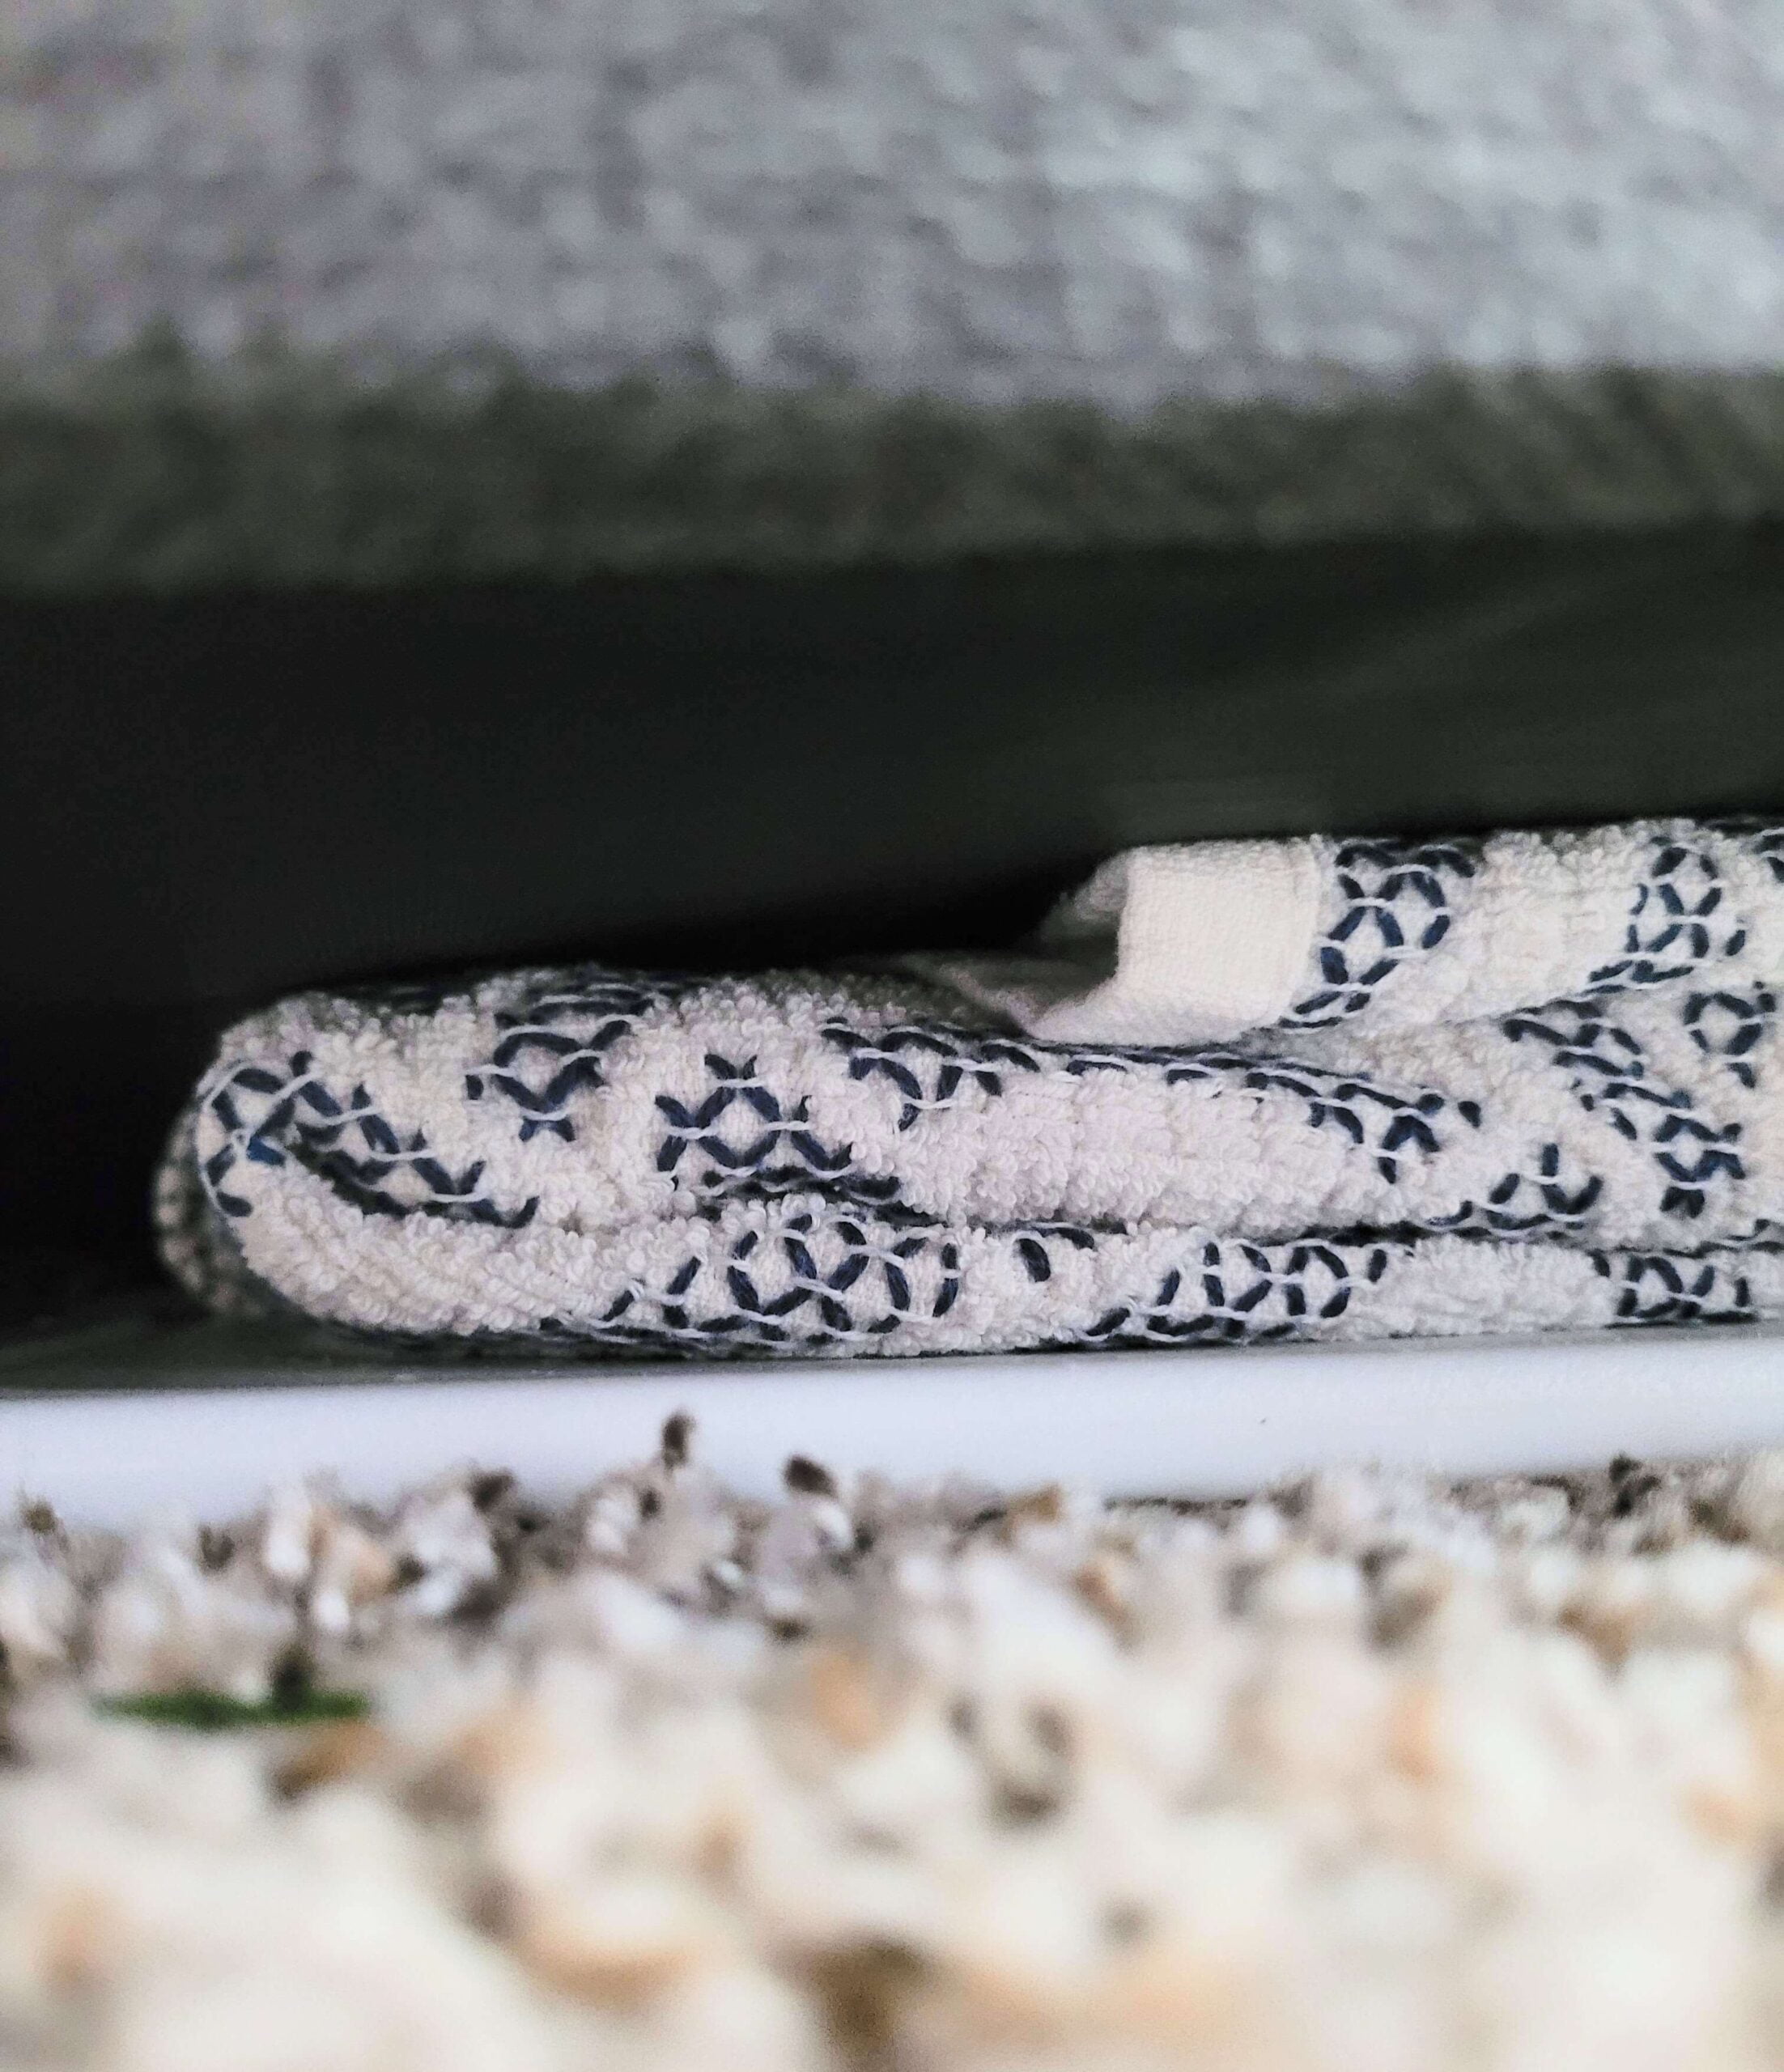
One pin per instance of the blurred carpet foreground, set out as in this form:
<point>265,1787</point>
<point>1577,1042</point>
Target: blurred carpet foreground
<point>1364,1777</point>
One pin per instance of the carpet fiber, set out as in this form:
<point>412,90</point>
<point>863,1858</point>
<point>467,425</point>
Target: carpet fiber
<point>1364,1775</point>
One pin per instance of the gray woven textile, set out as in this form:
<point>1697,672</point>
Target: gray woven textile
<point>1118,200</point>
<point>473,290</point>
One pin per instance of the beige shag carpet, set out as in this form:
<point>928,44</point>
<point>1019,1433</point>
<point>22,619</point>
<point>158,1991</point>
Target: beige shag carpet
<point>1361,1777</point>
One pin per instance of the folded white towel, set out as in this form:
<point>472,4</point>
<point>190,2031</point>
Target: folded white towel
<point>1209,941</point>
<point>1318,1087</point>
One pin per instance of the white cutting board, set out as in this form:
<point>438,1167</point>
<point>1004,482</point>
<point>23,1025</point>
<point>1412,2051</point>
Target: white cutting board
<point>112,1428</point>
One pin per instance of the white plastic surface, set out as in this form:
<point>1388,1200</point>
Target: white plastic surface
<point>107,1448</point>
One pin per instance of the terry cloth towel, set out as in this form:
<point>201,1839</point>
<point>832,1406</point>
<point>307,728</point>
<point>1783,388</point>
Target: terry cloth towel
<point>1319,1088</point>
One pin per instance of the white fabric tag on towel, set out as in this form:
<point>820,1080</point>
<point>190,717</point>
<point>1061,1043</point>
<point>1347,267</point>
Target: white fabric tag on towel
<point>1186,944</point>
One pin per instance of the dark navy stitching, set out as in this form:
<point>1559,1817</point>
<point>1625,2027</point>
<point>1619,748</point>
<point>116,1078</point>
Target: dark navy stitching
<point>573,1023</point>
<point>1608,1073</point>
<point>1236,1282</point>
<point>306,1122</point>
<point>1676,922</point>
<point>1731,1025</point>
<point>1655,1289</point>
<point>1398,906</point>
<point>931,1066</point>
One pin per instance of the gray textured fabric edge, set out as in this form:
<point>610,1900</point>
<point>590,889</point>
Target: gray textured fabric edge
<point>1117,201</point>
<point>151,470</point>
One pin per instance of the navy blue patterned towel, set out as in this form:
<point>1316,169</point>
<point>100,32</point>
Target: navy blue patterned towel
<point>1233,1091</point>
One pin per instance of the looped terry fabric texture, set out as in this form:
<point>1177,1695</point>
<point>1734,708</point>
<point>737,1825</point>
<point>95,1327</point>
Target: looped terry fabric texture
<point>1313,1089</point>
